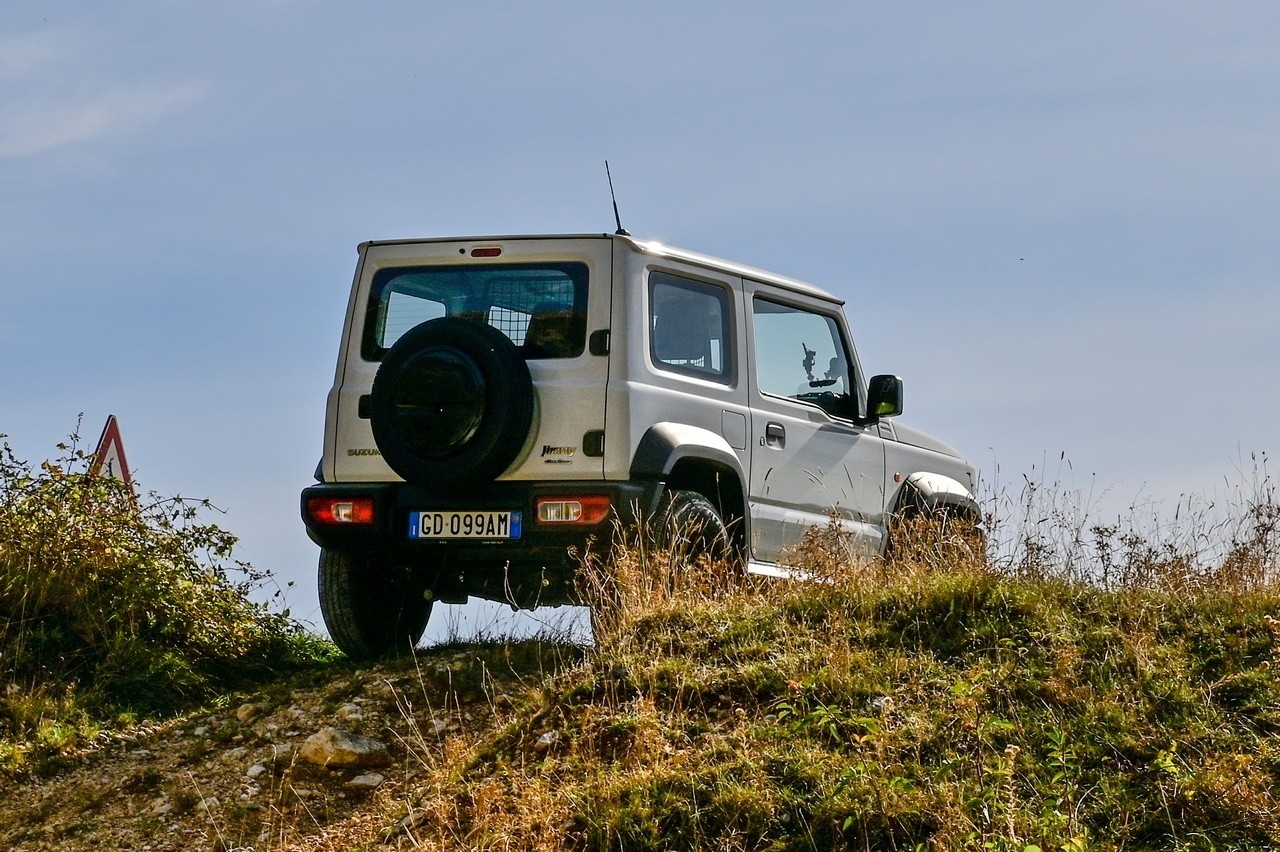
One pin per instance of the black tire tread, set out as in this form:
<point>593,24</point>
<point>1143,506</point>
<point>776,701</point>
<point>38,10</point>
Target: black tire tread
<point>369,613</point>
<point>689,522</point>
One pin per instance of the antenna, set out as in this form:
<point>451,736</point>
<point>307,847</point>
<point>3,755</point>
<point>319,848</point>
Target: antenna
<point>622,232</point>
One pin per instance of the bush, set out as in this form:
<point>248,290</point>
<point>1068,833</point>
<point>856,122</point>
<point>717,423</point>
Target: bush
<point>111,605</point>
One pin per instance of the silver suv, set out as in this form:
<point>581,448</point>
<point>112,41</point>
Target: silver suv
<point>502,401</point>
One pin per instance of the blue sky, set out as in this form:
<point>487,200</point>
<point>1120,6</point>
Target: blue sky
<point>1059,224</point>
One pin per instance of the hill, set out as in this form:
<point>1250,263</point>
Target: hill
<point>932,702</point>
<point>947,711</point>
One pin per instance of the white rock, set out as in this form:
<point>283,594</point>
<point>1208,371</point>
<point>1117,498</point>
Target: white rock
<point>548,741</point>
<point>333,747</point>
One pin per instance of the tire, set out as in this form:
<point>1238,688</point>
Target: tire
<point>370,608</point>
<point>688,526</point>
<point>451,403</point>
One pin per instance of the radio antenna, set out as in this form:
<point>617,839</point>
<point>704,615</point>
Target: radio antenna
<point>622,232</point>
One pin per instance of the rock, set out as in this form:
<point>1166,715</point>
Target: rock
<point>336,748</point>
<point>367,781</point>
<point>209,803</point>
<point>202,731</point>
<point>350,712</point>
<point>548,741</point>
<point>246,713</point>
<point>256,770</point>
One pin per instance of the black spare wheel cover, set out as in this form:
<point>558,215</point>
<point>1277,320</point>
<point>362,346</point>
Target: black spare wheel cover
<point>451,403</point>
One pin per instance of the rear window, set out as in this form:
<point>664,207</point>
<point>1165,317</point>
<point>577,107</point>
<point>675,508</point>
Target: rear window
<point>542,307</point>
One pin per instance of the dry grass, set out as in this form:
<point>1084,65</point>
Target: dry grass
<point>1067,683</point>
<point>949,699</point>
<point>1229,542</point>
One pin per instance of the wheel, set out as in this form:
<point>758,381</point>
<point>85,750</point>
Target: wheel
<point>688,526</point>
<point>371,609</point>
<point>452,401</point>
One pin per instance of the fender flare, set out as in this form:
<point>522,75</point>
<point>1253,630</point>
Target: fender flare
<point>666,444</point>
<point>931,493</point>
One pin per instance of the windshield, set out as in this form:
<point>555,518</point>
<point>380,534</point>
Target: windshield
<point>542,307</point>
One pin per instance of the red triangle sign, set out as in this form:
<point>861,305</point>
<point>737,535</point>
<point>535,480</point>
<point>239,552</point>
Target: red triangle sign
<point>108,459</point>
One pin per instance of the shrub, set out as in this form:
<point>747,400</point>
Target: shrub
<point>113,605</point>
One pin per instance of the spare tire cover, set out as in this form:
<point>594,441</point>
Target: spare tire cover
<point>452,402</point>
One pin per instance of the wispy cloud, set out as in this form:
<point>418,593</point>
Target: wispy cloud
<point>34,128</point>
<point>22,54</point>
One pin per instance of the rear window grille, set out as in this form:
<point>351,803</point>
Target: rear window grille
<point>514,324</point>
<point>541,307</point>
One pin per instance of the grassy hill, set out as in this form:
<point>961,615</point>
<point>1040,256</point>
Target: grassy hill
<point>930,705</point>
<point>941,701</point>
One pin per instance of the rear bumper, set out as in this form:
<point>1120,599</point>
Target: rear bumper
<point>540,545</point>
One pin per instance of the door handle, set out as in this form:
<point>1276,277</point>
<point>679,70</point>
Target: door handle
<point>775,435</point>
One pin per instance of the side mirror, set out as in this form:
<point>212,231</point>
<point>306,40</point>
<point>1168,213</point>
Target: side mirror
<point>884,397</point>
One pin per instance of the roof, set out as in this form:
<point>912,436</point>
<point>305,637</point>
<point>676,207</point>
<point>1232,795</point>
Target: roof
<point>649,247</point>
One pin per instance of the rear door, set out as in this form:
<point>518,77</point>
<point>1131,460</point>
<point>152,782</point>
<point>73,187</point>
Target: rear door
<point>810,456</point>
<point>547,295</point>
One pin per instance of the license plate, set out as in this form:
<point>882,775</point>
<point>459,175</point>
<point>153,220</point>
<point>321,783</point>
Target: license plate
<point>489,525</point>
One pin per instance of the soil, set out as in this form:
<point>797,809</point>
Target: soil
<point>231,778</point>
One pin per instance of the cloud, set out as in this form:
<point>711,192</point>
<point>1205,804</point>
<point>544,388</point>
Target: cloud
<point>23,54</point>
<point>37,128</point>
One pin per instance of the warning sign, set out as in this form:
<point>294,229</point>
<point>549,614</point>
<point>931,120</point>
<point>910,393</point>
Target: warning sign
<point>108,459</point>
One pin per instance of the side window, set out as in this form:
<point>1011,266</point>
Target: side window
<point>689,327</point>
<point>800,355</point>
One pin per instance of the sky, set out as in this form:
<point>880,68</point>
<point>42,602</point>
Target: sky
<point>1060,224</point>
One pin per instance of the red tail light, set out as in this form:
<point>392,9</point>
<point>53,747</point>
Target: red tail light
<point>341,510</point>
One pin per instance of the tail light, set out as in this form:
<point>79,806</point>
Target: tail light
<point>572,510</point>
<point>331,511</point>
